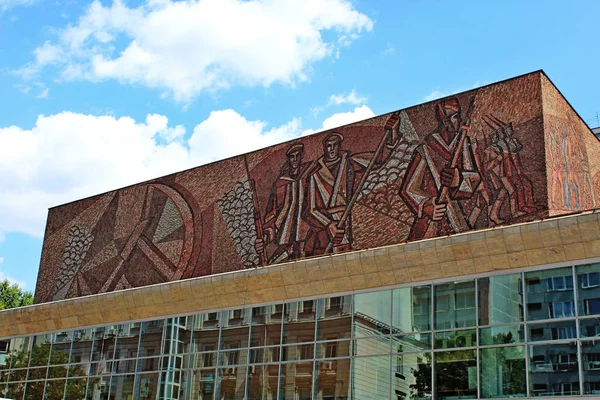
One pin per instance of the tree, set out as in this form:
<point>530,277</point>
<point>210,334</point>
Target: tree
<point>12,296</point>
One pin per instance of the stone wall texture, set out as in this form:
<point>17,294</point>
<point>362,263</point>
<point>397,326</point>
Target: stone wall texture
<point>471,161</point>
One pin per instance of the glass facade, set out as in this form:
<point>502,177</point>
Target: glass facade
<point>525,334</point>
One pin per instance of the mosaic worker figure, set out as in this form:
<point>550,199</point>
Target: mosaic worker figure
<point>332,182</point>
<point>442,172</point>
<point>284,230</point>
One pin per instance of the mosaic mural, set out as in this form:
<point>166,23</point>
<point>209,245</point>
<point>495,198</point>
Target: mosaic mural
<point>470,161</point>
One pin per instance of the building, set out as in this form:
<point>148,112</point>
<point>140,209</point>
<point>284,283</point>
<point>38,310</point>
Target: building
<point>448,250</point>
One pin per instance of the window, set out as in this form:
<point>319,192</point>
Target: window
<point>210,316</point>
<point>591,306</point>
<point>4,346</point>
<point>562,309</point>
<point>590,279</point>
<point>207,359</point>
<point>400,362</point>
<point>331,350</point>
<point>559,283</point>
<point>442,303</point>
<point>306,306</point>
<point>235,314</point>
<point>334,303</point>
<point>568,332</point>
<point>277,309</point>
<point>306,351</point>
<point>464,300</point>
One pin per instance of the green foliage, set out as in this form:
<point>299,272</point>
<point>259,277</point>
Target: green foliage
<point>12,296</point>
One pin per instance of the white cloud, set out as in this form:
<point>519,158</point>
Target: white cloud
<point>389,50</point>
<point>68,156</point>
<point>186,47</point>
<point>344,118</point>
<point>6,4</point>
<point>350,98</point>
<point>43,94</point>
<point>12,281</point>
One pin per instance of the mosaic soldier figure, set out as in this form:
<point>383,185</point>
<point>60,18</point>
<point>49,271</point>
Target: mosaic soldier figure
<point>443,163</point>
<point>283,228</point>
<point>332,183</point>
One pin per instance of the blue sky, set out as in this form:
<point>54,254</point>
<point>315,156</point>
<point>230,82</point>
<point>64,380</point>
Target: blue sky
<point>98,95</point>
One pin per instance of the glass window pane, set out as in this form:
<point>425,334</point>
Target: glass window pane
<point>40,350</point>
<point>128,337</point>
<point>553,370</point>
<point>500,299</point>
<point>550,294</point>
<point>413,342</point>
<point>590,359</point>
<point>232,383</point>
<point>296,381</point>
<point>148,364</point>
<point>266,325</point>
<point>552,331</point>
<point>34,390</point>
<point>14,391</point>
<point>236,328</point>
<point>503,372</point>
<point>98,388</point>
<point>262,381</point>
<point>76,370</point>
<point>455,305</point>
<point>147,385</point>
<point>296,352</point>
<point>19,352</point>
<point>61,347</point>
<point>588,289</point>
<point>371,378</point>
<point>81,351</point>
<point>334,318</point>
<point>177,335</point>
<point>455,339</point>
<point>372,313</point>
<point>264,354</point>
<point>151,338</point>
<point>455,375</point>
<point>411,375</point>
<point>340,348</point>
<point>233,357</point>
<point>75,389</point>
<point>333,379</point>
<point>121,387</point>
<point>299,321</point>
<point>501,335</point>
<point>104,343</point>
<point>589,327</point>
<point>205,333</point>
<point>55,389</point>
<point>202,385</point>
<point>372,346</point>
<point>411,309</point>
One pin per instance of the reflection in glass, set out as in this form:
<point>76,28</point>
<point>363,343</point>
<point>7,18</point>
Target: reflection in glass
<point>61,347</point>
<point>202,385</point>
<point>14,391</point>
<point>552,331</point>
<point>500,299</point>
<point>98,388</point>
<point>233,357</point>
<point>299,321</point>
<point>503,372</point>
<point>372,313</point>
<point>590,360</point>
<point>55,389</point>
<point>455,339</point>
<point>501,335</point>
<point>371,378</point>
<point>40,350</point>
<point>104,343</point>
<point>34,390</point>
<point>81,351</point>
<point>334,318</point>
<point>411,309</point>
<point>372,346</point>
<point>128,337</point>
<point>296,352</point>
<point>550,294</point>
<point>332,379</point>
<point>232,383</point>
<point>589,327</point>
<point>411,374</point>
<point>262,381</point>
<point>235,330</point>
<point>413,342</point>
<point>75,388</point>
<point>455,375</point>
<point>146,386</point>
<point>205,339</point>
<point>455,305</point>
<point>266,325</point>
<point>297,381</point>
<point>341,348</point>
<point>151,338</point>
<point>553,370</point>
<point>588,289</point>
<point>121,387</point>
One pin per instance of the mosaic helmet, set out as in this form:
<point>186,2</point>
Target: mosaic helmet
<point>447,107</point>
